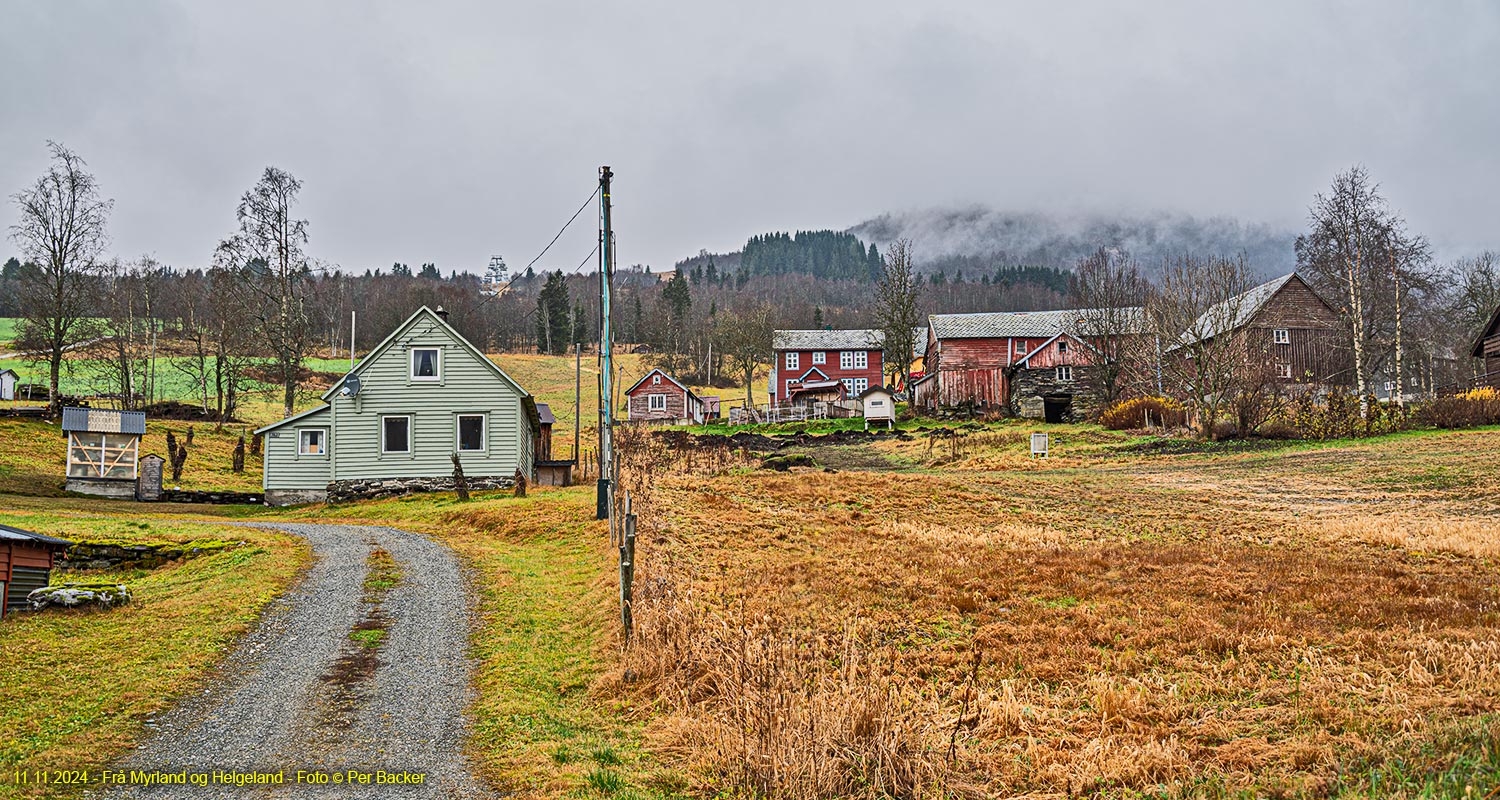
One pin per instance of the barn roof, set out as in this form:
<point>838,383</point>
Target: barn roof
<point>9,534</point>
<point>658,371</point>
<point>1486,332</point>
<point>1021,324</point>
<point>1236,312</point>
<point>860,339</point>
<point>104,420</point>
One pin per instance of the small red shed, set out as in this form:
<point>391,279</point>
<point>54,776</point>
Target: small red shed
<point>26,561</point>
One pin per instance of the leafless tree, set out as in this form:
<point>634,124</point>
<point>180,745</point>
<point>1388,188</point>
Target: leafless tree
<point>267,255</point>
<point>745,339</point>
<point>897,311</point>
<point>123,355</point>
<point>1109,287</point>
<point>1472,298</point>
<point>1357,251</point>
<point>62,231</point>
<point>1193,312</point>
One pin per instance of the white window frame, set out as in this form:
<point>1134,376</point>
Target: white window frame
<point>301,441</point>
<point>655,379</point>
<point>484,433</point>
<point>411,365</point>
<point>1281,336</point>
<point>656,402</point>
<point>409,435</point>
<point>793,360</point>
<point>1020,347</point>
<point>846,359</point>
<point>860,385</point>
<point>861,359</point>
<point>819,357</point>
<point>1064,372</point>
<point>1284,371</point>
<point>1390,387</point>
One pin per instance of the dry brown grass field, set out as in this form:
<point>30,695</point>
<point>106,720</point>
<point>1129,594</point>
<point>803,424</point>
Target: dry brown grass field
<point>966,620</point>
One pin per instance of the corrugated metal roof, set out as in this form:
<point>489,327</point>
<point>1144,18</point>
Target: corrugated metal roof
<point>828,340</point>
<point>1233,313</point>
<point>1027,324</point>
<point>104,420</point>
<point>8,533</point>
<point>544,413</point>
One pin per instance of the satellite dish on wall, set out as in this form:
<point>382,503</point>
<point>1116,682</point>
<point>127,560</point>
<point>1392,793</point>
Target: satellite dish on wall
<point>351,386</point>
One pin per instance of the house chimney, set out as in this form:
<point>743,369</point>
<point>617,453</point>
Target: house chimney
<point>442,314</point>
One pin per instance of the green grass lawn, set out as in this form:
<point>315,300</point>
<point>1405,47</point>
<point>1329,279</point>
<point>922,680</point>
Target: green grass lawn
<point>76,685</point>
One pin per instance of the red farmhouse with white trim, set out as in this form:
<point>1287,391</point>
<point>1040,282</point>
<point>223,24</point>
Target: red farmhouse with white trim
<point>814,357</point>
<point>659,397</point>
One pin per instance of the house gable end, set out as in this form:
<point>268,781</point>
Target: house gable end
<point>411,328</point>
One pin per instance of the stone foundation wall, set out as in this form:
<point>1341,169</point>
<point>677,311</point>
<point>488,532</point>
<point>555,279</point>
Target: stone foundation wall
<point>120,490</point>
<point>217,498</point>
<point>294,497</point>
<point>1032,386</point>
<point>340,491</point>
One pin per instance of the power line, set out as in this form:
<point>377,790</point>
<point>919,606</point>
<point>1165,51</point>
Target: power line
<point>564,228</point>
<point>477,306</point>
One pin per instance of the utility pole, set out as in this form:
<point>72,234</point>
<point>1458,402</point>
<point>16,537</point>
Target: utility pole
<point>606,345</point>
<point>577,396</point>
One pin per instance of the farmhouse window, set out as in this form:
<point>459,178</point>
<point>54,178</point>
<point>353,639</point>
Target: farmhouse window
<point>1065,373</point>
<point>426,363</point>
<point>1283,336</point>
<point>793,360</point>
<point>1020,347</point>
<point>846,359</point>
<point>312,442</point>
<point>1283,370</point>
<point>1062,347</point>
<point>471,433</point>
<point>656,402</point>
<point>820,357</point>
<point>856,386</point>
<point>1390,386</point>
<point>395,434</point>
<point>655,380</point>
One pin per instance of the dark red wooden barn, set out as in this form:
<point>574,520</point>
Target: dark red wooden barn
<point>26,562</point>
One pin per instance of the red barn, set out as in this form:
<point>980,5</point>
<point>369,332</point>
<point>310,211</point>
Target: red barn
<point>659,397</point>
<point>1487,350</point>
<point>1034,363</point>
<point>811,359</point>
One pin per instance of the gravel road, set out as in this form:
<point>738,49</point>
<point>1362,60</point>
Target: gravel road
<point>300,694</point>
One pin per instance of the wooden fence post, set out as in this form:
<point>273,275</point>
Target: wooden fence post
<point>627,575</point>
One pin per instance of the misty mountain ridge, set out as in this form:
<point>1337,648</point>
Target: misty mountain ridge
<point>944,236</point>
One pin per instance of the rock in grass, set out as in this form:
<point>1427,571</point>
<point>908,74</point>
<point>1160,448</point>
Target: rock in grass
<point>79,595</point>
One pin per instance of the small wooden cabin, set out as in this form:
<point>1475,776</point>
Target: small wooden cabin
<point>104,447</point>
<point>26,562</point>
<point>659,397</point>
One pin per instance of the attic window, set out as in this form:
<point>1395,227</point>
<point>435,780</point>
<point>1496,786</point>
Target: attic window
<point>655,379</point>
<point>1283,336</point>
<point>426,363</point>
<point>1062,347</point>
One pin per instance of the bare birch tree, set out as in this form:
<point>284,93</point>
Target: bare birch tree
<point>896,311</point>
<point>62,231</point>
<point>267,255</point>
<point>1358,252</point>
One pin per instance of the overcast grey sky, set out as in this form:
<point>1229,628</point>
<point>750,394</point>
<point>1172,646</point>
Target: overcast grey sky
<point>445,131</point>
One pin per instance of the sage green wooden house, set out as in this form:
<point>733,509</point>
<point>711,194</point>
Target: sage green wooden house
<point>393,423</point>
